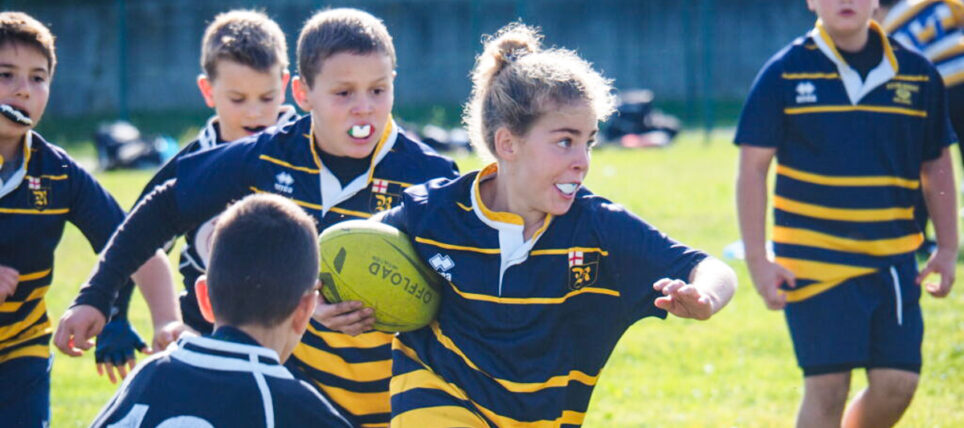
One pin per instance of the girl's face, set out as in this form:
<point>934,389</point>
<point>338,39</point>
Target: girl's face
<point>547,166</point>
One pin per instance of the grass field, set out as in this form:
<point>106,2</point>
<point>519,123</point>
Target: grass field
<point>736,370</point>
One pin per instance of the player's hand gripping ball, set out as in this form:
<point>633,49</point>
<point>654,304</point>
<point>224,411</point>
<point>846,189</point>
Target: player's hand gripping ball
<point>376,264</point>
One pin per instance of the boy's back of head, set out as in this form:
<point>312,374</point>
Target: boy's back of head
<point>334,31</point>
<point>247,37</point>
<point>21,29</point>
<point>264,258</point>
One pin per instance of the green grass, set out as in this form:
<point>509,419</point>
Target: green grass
<point>736,370</point>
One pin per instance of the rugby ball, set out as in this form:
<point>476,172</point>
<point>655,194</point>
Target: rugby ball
<point>376,264</point>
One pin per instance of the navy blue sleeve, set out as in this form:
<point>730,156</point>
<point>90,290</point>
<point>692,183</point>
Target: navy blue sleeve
<point>92,209</point>
<point>939,131</point>
<point>402,215</point>
<point>154,221</point>
<point>762,120</point>
<point>209,180</point>
<point>206,183</point>
<point>96,214</point>
<point>167,171</point>
<point>639,256</point>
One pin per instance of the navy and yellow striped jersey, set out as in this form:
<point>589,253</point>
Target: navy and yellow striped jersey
<point>935,28</point>
<point>353,371</point>
<point>525,327</point>
<point>226,380</point>
<point>49,190</point>
<point>849,154</point>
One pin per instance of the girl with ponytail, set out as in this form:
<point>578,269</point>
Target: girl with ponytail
<point>542,276</point>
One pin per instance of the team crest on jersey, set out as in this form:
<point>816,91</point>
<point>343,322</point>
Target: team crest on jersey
<point>583,269</point>
<point>283,182</point>
<point>806,92</point>
<point>385,195</point>
<point>442,264</point>
<point>903,92</point>
<point>40,193</point>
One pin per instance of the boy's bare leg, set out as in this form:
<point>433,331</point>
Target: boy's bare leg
<point>824,399</point>
<point>883,402</point>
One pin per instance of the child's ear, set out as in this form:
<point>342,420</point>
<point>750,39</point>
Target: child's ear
<point>506,144</point>
<point>304,311</point>
<point>203,300</point>
<point>204,84</point>
<point>285,78</point>
<point>299,90</point>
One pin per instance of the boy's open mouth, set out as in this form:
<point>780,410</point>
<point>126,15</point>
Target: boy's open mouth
<point>361,131</point>
<point>254,129</point>
<point>16,115</point>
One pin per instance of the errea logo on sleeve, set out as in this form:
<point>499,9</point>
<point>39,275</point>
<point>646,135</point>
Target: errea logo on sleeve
<point>283,182</point>
<point>806,92</point>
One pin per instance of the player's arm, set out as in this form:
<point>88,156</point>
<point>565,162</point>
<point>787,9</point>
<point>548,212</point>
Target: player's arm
<point>118,339</point>
<point>751,207</point>
<point>710,287</point>
<point>152,223</point>
<point>937,184</point>
<point>167,172</point>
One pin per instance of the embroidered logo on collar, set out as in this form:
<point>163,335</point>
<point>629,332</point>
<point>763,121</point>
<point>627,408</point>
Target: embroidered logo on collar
<point>583,269</point>
<point>903,92</point>
<point>39,193</point>
<point>283,182</point>
<point>442,264</point>
<point>806,92</point>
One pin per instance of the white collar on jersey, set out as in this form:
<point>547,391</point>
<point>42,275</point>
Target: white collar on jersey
<point>247,361</point>
<point>332,193</point>
<point>513,247</point>
<point>209,137</point>
<point>857,88</point>
<point>8,186</point>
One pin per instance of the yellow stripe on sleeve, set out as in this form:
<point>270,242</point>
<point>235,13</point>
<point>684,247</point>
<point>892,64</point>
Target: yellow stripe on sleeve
<point>842,214</point>
<point>297,202</point>
<point>350,212</point>
<point>847,181</point>
<point>288,165</point>
<point>874,247</point>
<point>427,241</point>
